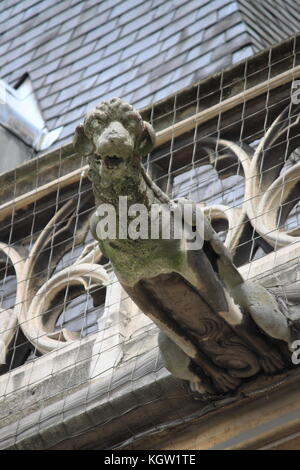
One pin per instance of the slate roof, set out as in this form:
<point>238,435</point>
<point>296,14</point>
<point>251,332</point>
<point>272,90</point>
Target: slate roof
<point>80,52</point>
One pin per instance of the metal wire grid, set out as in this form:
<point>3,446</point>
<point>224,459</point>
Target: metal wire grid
<point>182,181</point>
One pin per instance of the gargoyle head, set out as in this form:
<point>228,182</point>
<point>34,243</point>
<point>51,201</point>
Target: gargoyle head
<point>114,136</point>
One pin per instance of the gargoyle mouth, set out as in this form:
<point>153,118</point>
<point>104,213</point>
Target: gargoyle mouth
<point>112,161</point>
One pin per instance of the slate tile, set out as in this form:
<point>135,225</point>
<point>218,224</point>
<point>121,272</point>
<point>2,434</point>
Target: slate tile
<point>148,53</point>
<point>161,8</point>
<point>176,26</point>
<point>127,7</point>
<point>210,6</point>
<point>12,78</point>
<point>171,41</point>
<point>242,53</point>
<point>69,116</point>
<point>5,14</point>
<point>127,97</point>
<point>175,51</point>
<point>161,81</point>
<point>49,101</point>
<point>90,11</point>
<point>227,9</point>
<point>37,9</point>
<point>64,50</point>
<point>77,54</point>
<point>77,88</point>
<point>44,69</point>
<point>44,37</point>
<point>215,41</point>
<point>157,4</point>
<point>18,64</point>
<point>3,50</point>
<point>155,25</point>
<point>136,23</point>
<point>121,43</point>
<point>150,64</point>
<point>200,24</point>
<point>141,103</point>
<point>222,25</point>
<point>117,69</point>
<point>235,44</point>
<point>166,67</point>
<point>20,34</point>
<point>172,88</point>
<point>16,53</point>
<point>87,96</point>
<point>138,83</point>
<point>74,44</point>
<point>41,92</point>
<point>65,24</point>
<point>97,34</point>
<point>105,41</point>
<point>123,79</point>
<point>21,6</point>
<point>93,69</point>
<point>202,60</point>
<point>184,45</point>
<point>60,12</point>
<point>139,9</point>
<point>96,66</point>
<point>62,73</point>
<point>141,92</point>
<point>187,8</point>
<point>212,68</point>
<point>93,23</point>
<point>190,66</point>
<point>140,45</point>
<point>69,16</point>
<point>12,21</point>
<point>235,31</point>
<point>39,84</point>
<point>54,44</point>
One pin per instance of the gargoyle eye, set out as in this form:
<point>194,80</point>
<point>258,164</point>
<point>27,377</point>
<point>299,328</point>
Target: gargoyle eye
<point>96,124</point>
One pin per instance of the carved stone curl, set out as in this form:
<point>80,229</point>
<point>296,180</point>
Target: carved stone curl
<point>35,312</point>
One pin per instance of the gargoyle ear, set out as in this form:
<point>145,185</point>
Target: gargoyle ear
<point>147,140</point>
<point>81,143</point>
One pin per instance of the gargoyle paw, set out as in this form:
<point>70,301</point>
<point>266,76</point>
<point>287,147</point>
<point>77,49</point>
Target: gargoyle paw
<point>224,382</point>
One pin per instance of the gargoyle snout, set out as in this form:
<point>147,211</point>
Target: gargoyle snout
<point>115,140</point>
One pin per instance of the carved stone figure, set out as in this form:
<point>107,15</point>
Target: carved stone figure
<point>216,328</point>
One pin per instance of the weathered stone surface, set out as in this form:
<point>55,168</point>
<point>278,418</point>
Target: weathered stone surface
<point>212,318</point>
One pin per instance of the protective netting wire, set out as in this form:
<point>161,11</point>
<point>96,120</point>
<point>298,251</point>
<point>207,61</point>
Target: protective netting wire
<point>124,334</point>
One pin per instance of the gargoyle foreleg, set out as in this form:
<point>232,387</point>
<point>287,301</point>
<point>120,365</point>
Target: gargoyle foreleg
<point>221,380</point>
<point>244,306</point>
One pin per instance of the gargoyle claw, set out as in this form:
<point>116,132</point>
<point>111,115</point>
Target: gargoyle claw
<point>272,363</point>
<point>225,382</point>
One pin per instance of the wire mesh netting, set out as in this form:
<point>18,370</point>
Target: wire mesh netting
<point>58,291</point>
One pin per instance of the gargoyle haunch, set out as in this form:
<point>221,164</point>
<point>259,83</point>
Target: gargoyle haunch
<point>215,327</point>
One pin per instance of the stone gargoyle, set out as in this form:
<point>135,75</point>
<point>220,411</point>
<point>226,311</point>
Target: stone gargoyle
<point>215,328</point>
